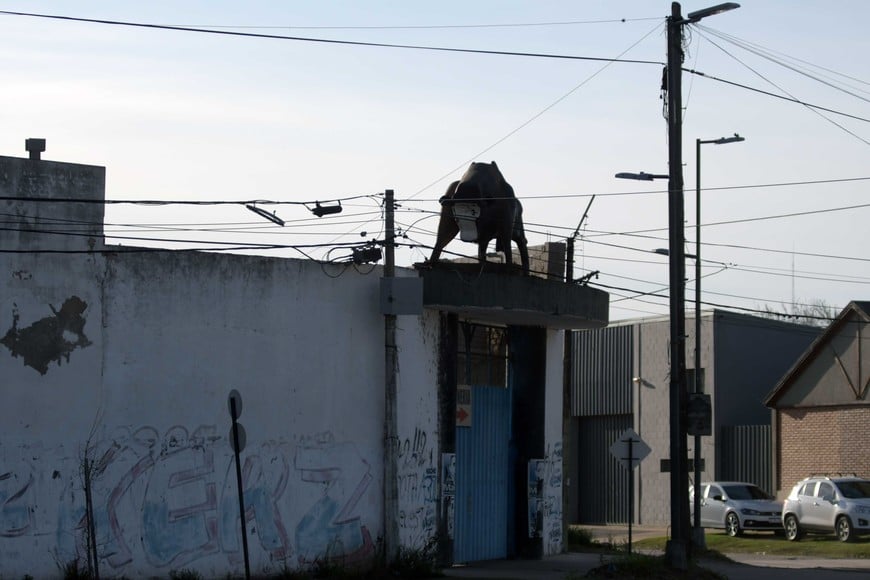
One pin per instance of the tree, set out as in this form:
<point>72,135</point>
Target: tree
<point>816,312</point>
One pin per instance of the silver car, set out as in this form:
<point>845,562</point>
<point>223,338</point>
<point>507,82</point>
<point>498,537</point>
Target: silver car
<point>736,506</point>
<point>828,504</point>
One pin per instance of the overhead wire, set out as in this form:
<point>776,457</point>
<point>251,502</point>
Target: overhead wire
<point>400,46</point>
<point>809,107</point>
<point>535,116</point>
<point>429,26</point>
<point>770,55</point>
<point>323,40</point>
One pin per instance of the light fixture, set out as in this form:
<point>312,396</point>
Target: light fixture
<point>723,140</point>
<point>263,213</point>
<point>322,210</point>
<point>711,11</point>
<point>642,176</point>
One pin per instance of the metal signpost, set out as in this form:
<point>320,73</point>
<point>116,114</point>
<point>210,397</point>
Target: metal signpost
<point>629,449</point>
<point>238,439</point>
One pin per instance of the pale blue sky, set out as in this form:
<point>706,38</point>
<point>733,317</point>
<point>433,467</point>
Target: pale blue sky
<point>180,115</point>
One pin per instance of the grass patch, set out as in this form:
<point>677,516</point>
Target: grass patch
<point>579,537</point>
<point>647,566</point>
<point>819,546</point>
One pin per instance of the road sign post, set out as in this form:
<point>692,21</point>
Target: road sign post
<point>629,449</point>
<point>238,439</point>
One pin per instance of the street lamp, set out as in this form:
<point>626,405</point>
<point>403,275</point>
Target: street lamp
<point>676,551</point>
<point>677,547</point>
<point>698,538</point>
<point>642,176</point>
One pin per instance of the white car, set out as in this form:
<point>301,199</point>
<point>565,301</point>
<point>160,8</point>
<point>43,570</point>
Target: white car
<point>828,504</point>
<point>736,506</point>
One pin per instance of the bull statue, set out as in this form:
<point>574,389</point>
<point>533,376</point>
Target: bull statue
<point>481,206</point>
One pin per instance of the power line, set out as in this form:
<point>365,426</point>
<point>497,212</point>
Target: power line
<point>326,40</point>
<point>770,94</point>
<point>768,54</point>
<point>428,26</point>
<point>536,115</point>
<point>811,108</point>
<point>663,191</point>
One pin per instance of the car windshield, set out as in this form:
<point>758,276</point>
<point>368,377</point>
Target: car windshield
<point>854,489</point>
<point>745,492</point>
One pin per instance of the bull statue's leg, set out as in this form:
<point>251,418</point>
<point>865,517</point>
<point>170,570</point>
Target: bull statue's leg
<point>519,237</point>
<point>447,228</point>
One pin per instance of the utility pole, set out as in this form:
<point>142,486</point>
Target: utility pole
<point>677,547</point>
<point>391,427</point>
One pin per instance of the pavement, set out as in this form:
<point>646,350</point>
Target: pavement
<point>575,565</point>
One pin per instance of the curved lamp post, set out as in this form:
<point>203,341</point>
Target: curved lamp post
<point>698,538</point>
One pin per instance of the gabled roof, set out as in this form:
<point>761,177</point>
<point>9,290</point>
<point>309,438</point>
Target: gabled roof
<point>860,308</point>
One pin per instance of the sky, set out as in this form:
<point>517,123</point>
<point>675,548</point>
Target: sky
<point>211,116</point>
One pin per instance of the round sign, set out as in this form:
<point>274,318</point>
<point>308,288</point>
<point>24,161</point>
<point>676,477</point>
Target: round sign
<point>243,438</point>
<point>235,399</point>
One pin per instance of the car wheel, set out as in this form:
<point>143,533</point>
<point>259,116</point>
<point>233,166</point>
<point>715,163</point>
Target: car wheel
<point>844,529</point>
<point>732,525</point>
<point>792,528</point>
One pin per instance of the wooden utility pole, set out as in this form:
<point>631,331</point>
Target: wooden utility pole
<point>391,434</point>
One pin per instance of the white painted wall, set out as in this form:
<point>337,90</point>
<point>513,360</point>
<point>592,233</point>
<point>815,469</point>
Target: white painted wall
<point>552,532</point>
<point>169,334</point>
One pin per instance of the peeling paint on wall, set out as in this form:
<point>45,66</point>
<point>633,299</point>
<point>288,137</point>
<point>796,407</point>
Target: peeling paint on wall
<point>49,339</point>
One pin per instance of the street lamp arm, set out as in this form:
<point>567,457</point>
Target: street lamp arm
<point>642,176</point>
<point>722,140</point>
<point>711,11</point>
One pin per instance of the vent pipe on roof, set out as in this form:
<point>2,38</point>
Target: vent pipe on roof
<point>35,147</point>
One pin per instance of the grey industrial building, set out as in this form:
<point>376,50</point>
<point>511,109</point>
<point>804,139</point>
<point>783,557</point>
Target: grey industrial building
<point>619,379</point>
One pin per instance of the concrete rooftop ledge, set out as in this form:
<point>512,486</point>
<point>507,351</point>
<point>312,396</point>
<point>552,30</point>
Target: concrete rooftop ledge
<point>499,294</point>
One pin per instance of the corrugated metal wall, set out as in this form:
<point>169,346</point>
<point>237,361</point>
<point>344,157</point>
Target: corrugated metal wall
<point>745,455</point>
<point>482,477</point>
<point>603,482</point>
<point>601,398</point>
<point>602,372</point>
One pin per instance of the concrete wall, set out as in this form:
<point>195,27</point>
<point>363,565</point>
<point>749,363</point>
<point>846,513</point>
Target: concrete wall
<point>651,408</point>
<point>126,360</point>
<point>553,541</point>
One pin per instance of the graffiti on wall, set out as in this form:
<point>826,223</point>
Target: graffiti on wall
<point>448,491</point>
<point>16,497</point>
<point>545,499</point>
<point>50,339</point>
<point>418,489</point>
<point>331,527</point>
<point>169,499</point>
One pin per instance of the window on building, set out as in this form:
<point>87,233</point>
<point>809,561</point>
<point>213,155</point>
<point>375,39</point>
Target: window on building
<point>482,356</point>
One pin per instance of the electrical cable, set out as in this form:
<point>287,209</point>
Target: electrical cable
<point>323,40</point>
<point>430,26</point>
<point>809,107</point>
<point>533,117</point>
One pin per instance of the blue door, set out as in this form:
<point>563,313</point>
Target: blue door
<point>483,478</point>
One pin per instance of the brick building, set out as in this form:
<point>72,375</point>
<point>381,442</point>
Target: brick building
<point>821,407</point>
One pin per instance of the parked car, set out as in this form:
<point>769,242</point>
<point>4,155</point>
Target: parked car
<point>828,504</point>
<point>737,506</point>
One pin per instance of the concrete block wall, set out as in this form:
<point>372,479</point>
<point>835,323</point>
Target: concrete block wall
<point>125,360</point>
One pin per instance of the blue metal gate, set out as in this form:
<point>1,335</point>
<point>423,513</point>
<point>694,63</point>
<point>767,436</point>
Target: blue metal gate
<point>483,478</point>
